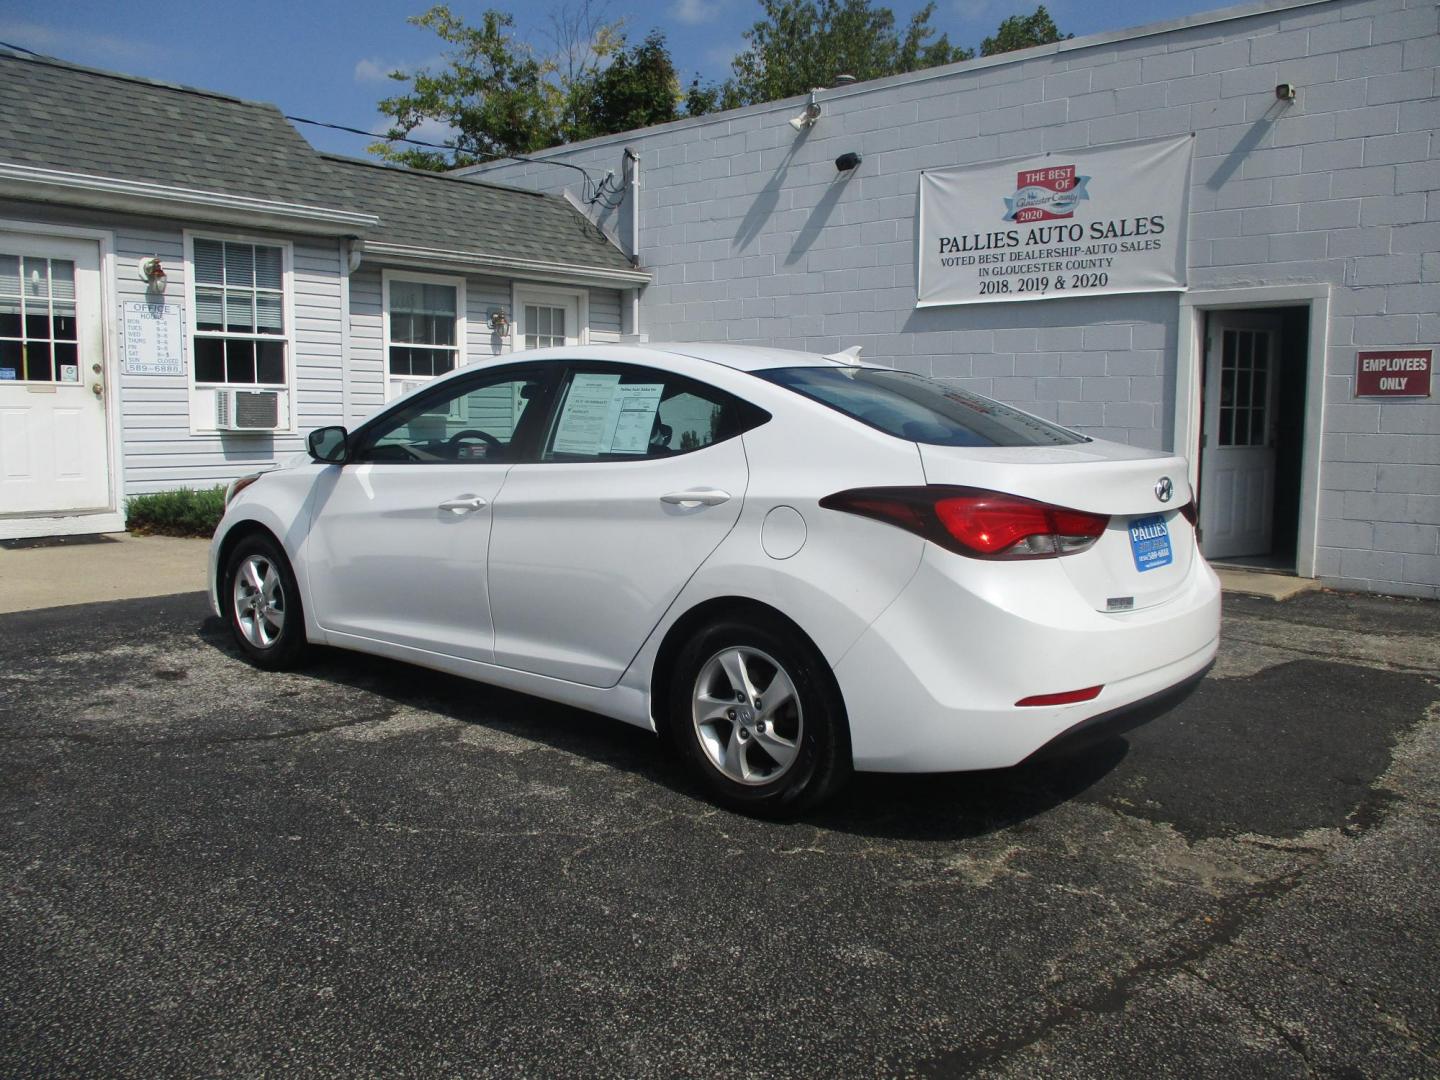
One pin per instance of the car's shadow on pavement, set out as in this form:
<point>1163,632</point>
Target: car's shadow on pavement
<point>940,806</point>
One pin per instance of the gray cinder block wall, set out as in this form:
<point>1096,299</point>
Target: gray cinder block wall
<point>752,236</point>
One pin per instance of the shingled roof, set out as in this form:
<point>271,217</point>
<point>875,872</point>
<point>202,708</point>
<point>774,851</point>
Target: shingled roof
<point>55,115</point>
<point>59,118</point>
<point>434,211</point>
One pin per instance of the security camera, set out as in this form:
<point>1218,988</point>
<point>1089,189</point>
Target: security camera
<point>806,117</point>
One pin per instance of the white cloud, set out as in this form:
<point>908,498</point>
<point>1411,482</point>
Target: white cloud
<point>694,12</point>
<point>371,69</point>
<point>106,50</point>
<point>375,69</point>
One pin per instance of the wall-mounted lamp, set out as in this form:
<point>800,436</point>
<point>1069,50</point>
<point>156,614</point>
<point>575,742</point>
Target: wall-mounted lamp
<point>1285,92</point>
<point>153,274</point>
<point>500,322</point>
<point>846,162</point>
<point>808,115</point>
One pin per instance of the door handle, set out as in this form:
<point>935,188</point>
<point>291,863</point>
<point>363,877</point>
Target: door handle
<point>698,497</point>
<point>463,505</point>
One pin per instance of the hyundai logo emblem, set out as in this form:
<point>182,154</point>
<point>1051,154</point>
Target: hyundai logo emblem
<point>1164,489</point>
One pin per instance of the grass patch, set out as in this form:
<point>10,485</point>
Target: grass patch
<point>186,512</point>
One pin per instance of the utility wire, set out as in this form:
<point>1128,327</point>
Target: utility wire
<point>604,192</point>
<point>607,193</point>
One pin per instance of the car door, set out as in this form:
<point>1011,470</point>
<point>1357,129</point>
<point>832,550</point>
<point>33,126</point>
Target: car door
<point>640,477</point>
<point>400,533</point>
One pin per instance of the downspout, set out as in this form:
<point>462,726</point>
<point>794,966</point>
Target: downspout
<point>351,249</point>
<point>632,161</point>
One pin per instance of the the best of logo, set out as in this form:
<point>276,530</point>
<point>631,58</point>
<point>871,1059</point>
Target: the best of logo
<point>1046,194</point>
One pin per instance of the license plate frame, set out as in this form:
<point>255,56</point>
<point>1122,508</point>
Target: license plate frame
<point>1150,545</point>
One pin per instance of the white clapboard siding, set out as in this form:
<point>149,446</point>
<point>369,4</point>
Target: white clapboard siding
<point>367,359</point>
<point>604,316</point>
<point>159,451</point>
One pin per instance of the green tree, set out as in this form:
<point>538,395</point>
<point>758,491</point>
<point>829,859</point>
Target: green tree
<point>636,89</point>
<point>497,95</point>
<point>494,94</point>
<point>801,44</point>
<point>1023,32</point>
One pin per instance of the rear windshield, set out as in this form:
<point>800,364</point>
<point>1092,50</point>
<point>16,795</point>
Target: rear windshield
<point>920,409</point>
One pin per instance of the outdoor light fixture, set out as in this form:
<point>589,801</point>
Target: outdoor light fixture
<point>499,321</point>
<point>153,274</point>
<point>1285,92</point>
<point>846,162</point>
<point>807,116</point>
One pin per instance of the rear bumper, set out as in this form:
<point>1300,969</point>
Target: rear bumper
<point>1119,721</point>
<point>932,684</point>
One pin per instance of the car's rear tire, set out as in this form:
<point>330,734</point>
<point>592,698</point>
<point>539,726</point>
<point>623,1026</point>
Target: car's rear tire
<point>261,601</point>
<point>778,758</point>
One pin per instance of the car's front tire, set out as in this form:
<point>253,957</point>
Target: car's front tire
<point>261,601</point>
<point>757,716</point>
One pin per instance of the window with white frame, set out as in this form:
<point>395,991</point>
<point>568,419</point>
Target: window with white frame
<point>240,332</point>
<point>424,328</point>
<point>547,317</point>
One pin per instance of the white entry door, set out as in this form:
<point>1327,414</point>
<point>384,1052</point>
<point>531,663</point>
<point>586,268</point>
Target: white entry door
<point>53,454</point>
<point>1237,463</point>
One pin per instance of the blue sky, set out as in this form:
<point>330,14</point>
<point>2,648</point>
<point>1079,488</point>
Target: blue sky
<point>327,59</point>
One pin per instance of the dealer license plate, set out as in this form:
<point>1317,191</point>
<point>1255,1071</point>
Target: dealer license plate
<point>1150,543</point>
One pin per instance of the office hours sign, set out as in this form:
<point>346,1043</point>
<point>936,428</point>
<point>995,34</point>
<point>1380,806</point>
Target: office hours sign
<point>1069,223</point>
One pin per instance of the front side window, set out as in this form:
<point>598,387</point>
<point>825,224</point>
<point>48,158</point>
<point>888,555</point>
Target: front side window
<point>474,421</point>
<point>240,332</point>
<point>920,409</point>
<point>37,320</point>
<point>423,328</point>
<point>614,413</point>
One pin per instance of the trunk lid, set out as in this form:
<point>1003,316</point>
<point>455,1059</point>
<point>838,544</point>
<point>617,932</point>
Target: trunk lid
<point>1145,553</point>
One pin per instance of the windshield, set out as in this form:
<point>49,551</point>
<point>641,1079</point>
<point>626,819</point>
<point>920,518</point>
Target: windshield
<point>920,409</point>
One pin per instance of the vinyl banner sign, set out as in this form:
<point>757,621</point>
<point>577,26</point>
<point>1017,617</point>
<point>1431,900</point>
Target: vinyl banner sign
<point>1070,223</point>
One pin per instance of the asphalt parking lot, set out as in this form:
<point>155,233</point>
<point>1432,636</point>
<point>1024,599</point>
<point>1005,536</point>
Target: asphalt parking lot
<point>367,869</point>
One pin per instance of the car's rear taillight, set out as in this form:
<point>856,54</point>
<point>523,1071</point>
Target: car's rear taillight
<point>1188,513</point>
<point>975,522</point>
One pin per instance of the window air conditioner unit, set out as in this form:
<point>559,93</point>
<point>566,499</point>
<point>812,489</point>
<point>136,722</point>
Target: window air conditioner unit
<point>250,410</point>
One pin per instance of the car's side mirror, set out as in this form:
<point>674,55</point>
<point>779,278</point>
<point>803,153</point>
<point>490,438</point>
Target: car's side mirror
<point>329,445</point>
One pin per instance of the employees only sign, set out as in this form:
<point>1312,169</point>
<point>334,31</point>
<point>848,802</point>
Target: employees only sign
<point>1393,372</point>
<point>1076,223</point>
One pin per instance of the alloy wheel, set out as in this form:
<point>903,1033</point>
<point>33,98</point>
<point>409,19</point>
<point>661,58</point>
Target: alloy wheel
<point>747,715</point>
<point>259,600</point>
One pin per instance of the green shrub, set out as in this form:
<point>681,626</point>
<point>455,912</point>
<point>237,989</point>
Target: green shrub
<point>186,512</point>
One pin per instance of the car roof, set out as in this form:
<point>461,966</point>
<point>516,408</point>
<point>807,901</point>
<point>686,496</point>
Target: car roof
<point>746,358</point>
<point>750,357</point>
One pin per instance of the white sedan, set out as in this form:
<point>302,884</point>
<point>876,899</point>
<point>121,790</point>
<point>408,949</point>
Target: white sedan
<point>789,565</point>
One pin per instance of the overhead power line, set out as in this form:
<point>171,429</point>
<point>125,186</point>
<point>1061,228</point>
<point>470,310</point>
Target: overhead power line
<point>606,192</point>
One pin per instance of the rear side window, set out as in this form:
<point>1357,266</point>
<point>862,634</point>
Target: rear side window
<point>920,409</point>
<point>624,413</point>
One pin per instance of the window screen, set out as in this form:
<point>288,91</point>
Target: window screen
<point>423,339</point>
<point>239,313</point>
<point>919,409</point>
